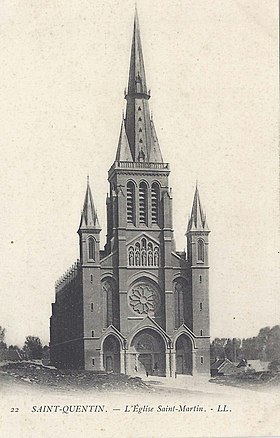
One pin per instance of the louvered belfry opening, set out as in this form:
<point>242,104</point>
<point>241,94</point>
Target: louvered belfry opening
<point>143,203</point>
<point>130,203</point>
<point>155,203</point>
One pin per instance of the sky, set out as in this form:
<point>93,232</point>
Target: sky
<point>212,69</point>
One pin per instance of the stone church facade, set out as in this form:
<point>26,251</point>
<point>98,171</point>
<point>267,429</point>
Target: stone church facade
<point>137,306</point>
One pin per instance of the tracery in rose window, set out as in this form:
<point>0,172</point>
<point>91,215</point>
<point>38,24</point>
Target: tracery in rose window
<point>144,299</point>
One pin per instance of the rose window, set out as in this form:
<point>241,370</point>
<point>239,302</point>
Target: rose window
<point>144,299</point>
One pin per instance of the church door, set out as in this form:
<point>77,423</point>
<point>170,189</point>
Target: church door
<point>184,364</point>
<point>111,354</point>
<point>180,364</point>
<point>109,363</point>
<point>145,363</point>
<point>149,350</point>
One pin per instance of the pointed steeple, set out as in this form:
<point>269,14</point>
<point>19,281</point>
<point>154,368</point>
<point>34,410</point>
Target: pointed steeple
<point>89,219</point>
<point>197,221</point>
<point>137,77</point>
<point>123,151</point>
<point>138,126</point>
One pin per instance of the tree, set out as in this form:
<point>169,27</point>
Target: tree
<point>2,334</point>
<point>250,348</point>
<point>262,339</point>
<point>272,348</point>
<point>233,349</point>
<point>33,347</point>
<point>265,346</point>
<point>217,350</point>
<point>229,349</point>
<point>3,345</point>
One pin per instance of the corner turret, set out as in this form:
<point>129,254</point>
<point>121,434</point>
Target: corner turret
<point>89,231</point>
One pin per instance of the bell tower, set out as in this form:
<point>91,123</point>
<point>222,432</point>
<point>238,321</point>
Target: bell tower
<point>139,206</point>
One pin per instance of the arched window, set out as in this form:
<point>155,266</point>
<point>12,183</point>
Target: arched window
<point>143,253</point>
<point>156,256</point>
<point>200,251</point>
<point>179,304</point>
<point>112,303</point>
<point>155,203</point>
<point>150,254</point>
<point>131,256</point>
<point>143,203</point>
<point>183,303</point>
<point>130,202</point>
<point>137,254</point>
<point>91,248</point>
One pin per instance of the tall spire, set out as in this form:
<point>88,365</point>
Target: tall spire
<point>137,77</point>
<point>139,129</point>
<point>89,219</point>
<point>197,221</point>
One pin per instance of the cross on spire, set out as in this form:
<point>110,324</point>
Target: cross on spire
<point>138,140</point>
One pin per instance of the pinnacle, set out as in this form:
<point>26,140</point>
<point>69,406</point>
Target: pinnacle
<point>123,151</point>
<point>89,219</point>
<point>139,127</point>
<point>197,221</point>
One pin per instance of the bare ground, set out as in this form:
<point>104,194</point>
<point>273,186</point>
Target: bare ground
<point>35,374</point>
<point>255,381</point>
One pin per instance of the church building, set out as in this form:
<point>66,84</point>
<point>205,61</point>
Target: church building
<point>137,306</point>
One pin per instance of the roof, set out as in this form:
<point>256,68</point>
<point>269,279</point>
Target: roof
<point>219,363</point>
<point>137,77</point>
<point>197,221</point>
<point>89,219</point>
<point>254,364</point>
<point>229,368</point>
<point>123,151</point>
<point>139,132</point>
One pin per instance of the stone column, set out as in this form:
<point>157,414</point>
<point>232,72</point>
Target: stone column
<point>167,363</point>
<point>131,362</point>
<point>122,361</point>
<point>173,359</point>
<point>194,370</point>
<point>101,356</point>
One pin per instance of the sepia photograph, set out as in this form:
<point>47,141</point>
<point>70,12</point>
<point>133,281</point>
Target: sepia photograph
<point>140,219</point>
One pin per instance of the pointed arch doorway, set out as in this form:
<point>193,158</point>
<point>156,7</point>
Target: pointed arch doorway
<point>148,351</point>
<point>184,361</point>
<point>111,355</point>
